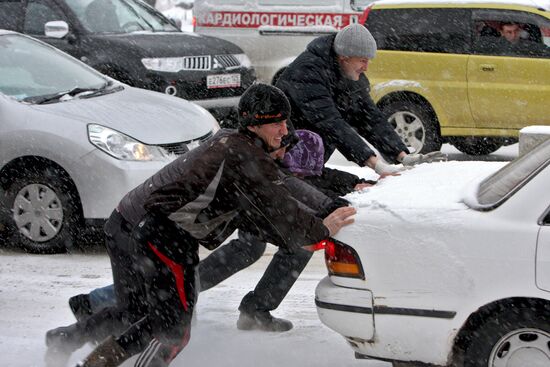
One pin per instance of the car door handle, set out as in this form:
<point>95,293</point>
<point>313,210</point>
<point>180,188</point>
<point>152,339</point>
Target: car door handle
<point>487,67</point>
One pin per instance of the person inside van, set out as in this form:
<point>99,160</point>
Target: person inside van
<point>511,32</point>
<point>329,94</point>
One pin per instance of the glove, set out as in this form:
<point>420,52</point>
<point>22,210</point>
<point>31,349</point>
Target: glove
<point>384,169</point>
<point>413,159</point>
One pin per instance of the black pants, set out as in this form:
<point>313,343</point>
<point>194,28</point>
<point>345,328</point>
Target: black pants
<point>134,303</point>
<point>281,274</point>
<point>154,279</point>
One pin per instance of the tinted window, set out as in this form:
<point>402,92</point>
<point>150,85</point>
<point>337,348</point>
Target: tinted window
<point>503,183</point>
<point>510,33</point>
<point>37,14</point>
<point>426,30</point>
<point>546,220</point>
<point>10,12</point>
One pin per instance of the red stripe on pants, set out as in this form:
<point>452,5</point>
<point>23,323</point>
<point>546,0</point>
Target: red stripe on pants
<point>177,270</point>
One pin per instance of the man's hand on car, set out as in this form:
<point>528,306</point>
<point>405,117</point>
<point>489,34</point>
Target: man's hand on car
<point>384,169</point>
<point>413,159</point>
<point>339,218</point>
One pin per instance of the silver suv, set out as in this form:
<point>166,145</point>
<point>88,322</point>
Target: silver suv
<point>73,141</point>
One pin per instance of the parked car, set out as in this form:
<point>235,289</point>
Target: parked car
<point>132,42</point>
<point>444,73</point>
<point>274,32</point>
<point>73,142</point>
<point>445,272</point>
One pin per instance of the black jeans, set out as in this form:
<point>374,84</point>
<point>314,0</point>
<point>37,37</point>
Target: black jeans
<point>280,275</point>
<point>225,261</point>
<point>154,279</point>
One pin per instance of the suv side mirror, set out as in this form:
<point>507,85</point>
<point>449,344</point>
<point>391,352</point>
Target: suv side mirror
<point>56,29</point>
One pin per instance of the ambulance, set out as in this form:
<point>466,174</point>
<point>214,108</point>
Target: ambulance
<point>273,32</point>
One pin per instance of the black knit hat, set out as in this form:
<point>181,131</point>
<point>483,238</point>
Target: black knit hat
<point>263,104</point>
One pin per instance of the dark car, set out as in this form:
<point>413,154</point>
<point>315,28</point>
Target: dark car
<point>134,43</point>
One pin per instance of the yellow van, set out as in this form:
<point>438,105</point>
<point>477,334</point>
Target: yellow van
<point>469,73</point>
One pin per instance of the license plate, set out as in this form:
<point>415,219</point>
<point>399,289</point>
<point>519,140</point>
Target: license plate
<point>223,81</point>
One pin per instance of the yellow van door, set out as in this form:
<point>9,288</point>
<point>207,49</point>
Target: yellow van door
<point>509,72</point>
<point>509,92</point>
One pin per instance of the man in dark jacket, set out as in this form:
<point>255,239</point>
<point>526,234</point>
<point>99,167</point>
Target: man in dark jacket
<point>227,183</point>
<point>281,274</point>
<point>329,94</point>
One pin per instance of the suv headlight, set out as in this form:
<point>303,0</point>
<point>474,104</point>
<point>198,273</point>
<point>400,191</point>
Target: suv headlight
<point>166,64</point>
<point>122,146</point>
<point>243,60</point>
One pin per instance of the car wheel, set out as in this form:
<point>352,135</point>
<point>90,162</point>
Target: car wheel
<point>415,125</point>
<point>477,145</point>
<point>517,337</point>
<point>44,211</point>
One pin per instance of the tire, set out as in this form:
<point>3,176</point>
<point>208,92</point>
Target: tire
<point>472,145</point>
<point>415,125</point>
<point>45,214</point>
<point>518,336</point>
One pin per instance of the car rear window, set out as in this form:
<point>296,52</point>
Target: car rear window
<point>503,183</point>
<point>421,30</point>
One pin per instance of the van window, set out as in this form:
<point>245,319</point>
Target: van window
<point>10,13</point>
<point>38,13</point>
<point>421,30</point>
<point>510,33</point>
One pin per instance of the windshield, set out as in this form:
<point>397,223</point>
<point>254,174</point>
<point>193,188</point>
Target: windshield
<point>511,177</point>
<point>31,69</point>
<point>119,16</point>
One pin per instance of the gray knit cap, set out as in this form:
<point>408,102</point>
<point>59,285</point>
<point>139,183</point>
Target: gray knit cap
<point>355,40</point>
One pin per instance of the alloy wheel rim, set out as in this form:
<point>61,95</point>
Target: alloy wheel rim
<point>520,348</point>
<point>37,212</point>
<point>410,128</point>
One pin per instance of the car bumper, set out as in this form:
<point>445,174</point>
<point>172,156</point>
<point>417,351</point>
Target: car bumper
<point>102,187</point>
<point>400,334</point>
<point>345,310</point>
<point>192,84</point>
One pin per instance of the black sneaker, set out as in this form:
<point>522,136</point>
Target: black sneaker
<point>61,343</point>
<point>262,320</point>
<point>80,306</point>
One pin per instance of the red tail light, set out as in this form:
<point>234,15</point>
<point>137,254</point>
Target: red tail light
<point>342,260</point>
<point>194,23</point>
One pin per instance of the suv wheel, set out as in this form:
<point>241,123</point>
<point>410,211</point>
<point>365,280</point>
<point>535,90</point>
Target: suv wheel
<point>513,338</point>
<point>416,127</point>
<point>476,145</point>
<point>44,212</point>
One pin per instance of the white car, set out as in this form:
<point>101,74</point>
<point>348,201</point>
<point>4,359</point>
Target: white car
<point>73,142</point>
<point>443,271</point>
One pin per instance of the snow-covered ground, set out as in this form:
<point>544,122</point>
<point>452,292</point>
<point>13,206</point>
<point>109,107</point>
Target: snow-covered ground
<point>34,290</point>
<point>33,298</point>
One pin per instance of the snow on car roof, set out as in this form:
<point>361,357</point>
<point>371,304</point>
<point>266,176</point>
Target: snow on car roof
<point>539,4</point>
<point>427,186</point>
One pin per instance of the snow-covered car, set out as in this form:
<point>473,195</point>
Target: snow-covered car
<point>73,141</point>
<point>448,264</point>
